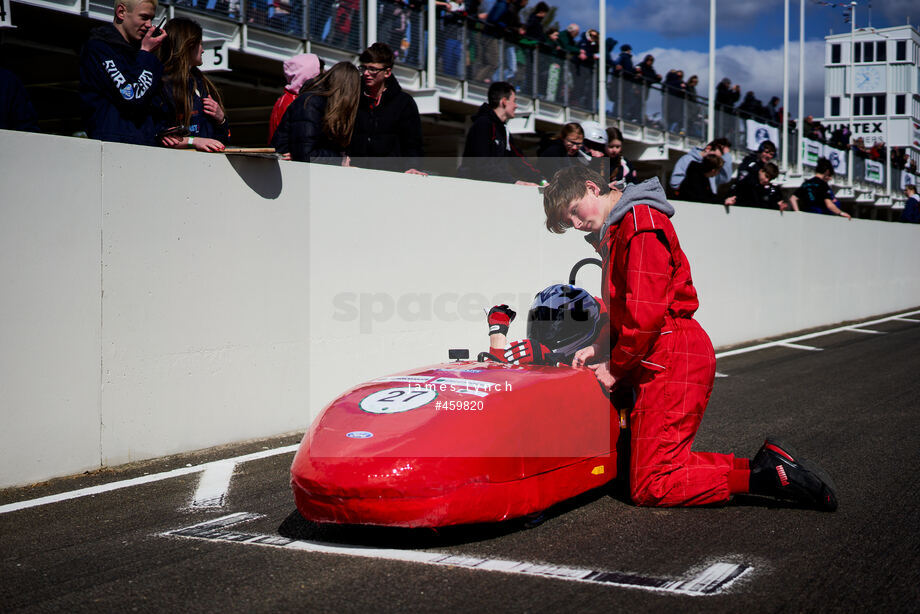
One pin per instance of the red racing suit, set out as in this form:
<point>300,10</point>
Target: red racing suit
<point>659,349</point>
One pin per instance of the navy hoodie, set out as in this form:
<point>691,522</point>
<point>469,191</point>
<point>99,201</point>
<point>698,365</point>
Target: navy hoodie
<point>118,84</point>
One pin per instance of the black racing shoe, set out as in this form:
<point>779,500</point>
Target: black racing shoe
<point>778,471</point>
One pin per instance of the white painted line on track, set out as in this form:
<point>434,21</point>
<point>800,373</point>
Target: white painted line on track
<point>821,333</point>
<point>915,320</point>
<point>720,374</point>
<point>145,479</point>
<point>797,346</point>
<point>853,329</point>
<point>712,580</point>
<point>213,485</point>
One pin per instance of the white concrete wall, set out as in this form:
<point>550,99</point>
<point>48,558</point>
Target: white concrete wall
<point>156,301</point>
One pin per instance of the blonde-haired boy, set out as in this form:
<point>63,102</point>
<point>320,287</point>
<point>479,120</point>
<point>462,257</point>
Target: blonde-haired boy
<point>120,75</point>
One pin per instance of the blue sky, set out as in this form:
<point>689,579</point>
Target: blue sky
<point>749,37</point>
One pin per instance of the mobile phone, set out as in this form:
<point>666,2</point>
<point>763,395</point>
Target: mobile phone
<point>173,131</point>
<point>159,27</point>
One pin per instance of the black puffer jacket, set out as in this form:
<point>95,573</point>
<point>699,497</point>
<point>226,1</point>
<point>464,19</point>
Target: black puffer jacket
<point>391,129</point>
<point>300,132</point>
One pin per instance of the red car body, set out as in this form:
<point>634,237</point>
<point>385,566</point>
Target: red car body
<point>456,443</point>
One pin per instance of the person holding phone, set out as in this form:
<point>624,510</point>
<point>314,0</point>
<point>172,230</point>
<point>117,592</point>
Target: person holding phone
<point>120,75</point>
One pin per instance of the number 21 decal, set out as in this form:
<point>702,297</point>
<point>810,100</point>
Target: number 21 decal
<point>396,400</point>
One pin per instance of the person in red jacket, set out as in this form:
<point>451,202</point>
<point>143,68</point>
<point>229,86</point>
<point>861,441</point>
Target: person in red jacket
<point>656,346</point>
<point>297,70</point>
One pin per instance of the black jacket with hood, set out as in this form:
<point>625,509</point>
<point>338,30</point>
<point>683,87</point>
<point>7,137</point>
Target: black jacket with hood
<point>119,83</point>
<point>488,140</point>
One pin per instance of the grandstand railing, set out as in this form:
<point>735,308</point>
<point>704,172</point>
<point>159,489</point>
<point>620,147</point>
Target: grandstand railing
<point>468,51</point>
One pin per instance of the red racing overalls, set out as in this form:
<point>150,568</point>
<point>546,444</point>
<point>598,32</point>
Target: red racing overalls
<point>659,349</point>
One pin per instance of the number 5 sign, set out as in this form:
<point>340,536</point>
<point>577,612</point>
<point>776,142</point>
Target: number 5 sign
<point>215,57</point>
<point>6,20</point>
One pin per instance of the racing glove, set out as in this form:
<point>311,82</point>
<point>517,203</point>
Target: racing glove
<point>526,352</point>
<point>499,318</point>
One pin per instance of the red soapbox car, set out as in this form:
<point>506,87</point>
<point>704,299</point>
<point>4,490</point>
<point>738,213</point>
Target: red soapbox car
<point>457,443</point>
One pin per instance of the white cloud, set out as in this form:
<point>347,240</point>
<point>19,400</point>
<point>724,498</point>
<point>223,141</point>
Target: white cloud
<point>757,70</point>
<point>897,12</point>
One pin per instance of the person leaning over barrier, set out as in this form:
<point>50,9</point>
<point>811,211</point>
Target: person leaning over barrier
<point>489,149</point>
<point>193,113</point>
<point>697,186</point>
<point>814,195</point>
<point>721,147</point>
<point>760,193</point>
<point>654,344</point>
<point>120,75</point>
<point>911,212</point>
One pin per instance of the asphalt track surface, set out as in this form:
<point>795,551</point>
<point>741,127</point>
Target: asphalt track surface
<point>853,407</point>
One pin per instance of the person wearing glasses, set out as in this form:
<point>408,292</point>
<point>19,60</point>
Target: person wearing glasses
<point>318,125</point>
<point>563,150</point>
<point>388,130</point>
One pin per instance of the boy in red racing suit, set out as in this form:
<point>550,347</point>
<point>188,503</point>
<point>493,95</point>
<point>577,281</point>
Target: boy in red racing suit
<point>655,345</point>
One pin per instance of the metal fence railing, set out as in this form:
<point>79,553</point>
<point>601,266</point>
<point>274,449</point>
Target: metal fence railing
<point>550,79</point>
<point>450,46</point>
<point>468,49</point>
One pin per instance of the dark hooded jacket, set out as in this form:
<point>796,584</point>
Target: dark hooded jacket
<point>391,129</point>
<point>696,186</point>
<point>486,142</point>
<point>119,83</point>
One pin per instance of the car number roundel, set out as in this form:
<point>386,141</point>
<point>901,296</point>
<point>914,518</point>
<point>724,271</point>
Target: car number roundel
<point>396,400</point>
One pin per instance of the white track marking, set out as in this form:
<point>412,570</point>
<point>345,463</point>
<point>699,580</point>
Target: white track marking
<point>906,319</point>
<point>146,479</point>
<point>830,331</point>
<point>710,581</point>
<point>213,485</point>
<point>720,374</point>
<point>797,346</point>
<point>853,329</point>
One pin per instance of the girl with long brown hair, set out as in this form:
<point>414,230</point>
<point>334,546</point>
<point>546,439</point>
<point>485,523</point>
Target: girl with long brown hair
<point>192,106</point>
<point>318,126</point>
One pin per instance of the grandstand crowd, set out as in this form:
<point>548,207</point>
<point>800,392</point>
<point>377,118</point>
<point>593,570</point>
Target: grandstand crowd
<point>141,84</point>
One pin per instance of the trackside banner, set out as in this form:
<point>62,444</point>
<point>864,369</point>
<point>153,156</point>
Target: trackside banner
<point>757,133</point>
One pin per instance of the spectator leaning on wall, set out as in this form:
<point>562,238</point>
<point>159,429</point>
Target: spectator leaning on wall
<point>720,146</point>
<point>814,195</point>
<point>753,162</point>
<point>911,212</point>
<point>120,75</point>
<point>489,147</point>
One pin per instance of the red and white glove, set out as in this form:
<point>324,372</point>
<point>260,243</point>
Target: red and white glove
<point>526,352</point>
<point>499,318</point>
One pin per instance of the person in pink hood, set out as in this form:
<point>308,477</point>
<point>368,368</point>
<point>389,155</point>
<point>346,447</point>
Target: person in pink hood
<point>297,70</point>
